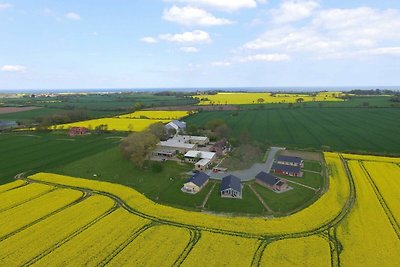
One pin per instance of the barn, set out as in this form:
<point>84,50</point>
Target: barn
<point>287,170</point>
<point>231,187</point>
<point>195,183</point>
<point>271,181</point>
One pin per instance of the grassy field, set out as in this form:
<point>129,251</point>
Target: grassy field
<point>37,152</point>
<point>340,129</point>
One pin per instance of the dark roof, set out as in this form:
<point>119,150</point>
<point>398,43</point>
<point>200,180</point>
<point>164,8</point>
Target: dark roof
<point>289,159</point>
<point>198,179</point>
<point>231,181</point>
<point>286,168</point>
<point>8,123</point>
<point>267,178</point>
<point>179,124</point>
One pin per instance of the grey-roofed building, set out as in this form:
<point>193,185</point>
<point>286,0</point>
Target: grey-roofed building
<point>195,183</point>
<point>287,170</point>
<point>271,181</point>
<point>178,126</point>
<point>231,187</point>
<point>289,160</point>
<point>8,124</point>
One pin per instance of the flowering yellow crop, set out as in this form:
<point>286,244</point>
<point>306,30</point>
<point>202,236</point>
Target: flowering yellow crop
<point>13,219</point>
<point>306,251</point>
<point>222,250</point>
<point>41,237</point>
<point>310,218</point>
<point>386,177</point>
<point>9,186</point>
<point>117,124</point>
<point>255,98</point>
<point>22,194</point>
<point>97,242</point>
<point>367,236</point>
<point>157,114</point>
<point>371,158</point>
<point>156,246</point>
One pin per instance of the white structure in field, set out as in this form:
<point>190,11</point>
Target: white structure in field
<point>180,144</point>
<point>202,159</point>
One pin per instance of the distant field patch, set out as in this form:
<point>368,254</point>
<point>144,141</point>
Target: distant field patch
<point>157,114</point>
<point>6,110</point>
<point>260,98</point>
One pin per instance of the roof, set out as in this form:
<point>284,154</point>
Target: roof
<point>286,168</point>
<point>8,123</point>
<point>194,137</point>
<point>198,179</point>
<point>203,162</point>
<point>267,178</point>
<point>289,159</point>
<point>180,124</point>
<point>201,154</point>
<point>231,181</point>
<point>176,143</point>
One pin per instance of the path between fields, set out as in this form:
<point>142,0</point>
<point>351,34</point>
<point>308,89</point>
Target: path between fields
<point>303,185</point>
<point>208,195</point>
<point>249,174</point>
<point>261,199</point>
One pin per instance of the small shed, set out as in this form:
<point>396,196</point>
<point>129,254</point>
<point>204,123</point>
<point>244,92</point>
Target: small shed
<point>271,181</point>
<point>289,170</point>
<point>231,187</point>
<point>195,183</point>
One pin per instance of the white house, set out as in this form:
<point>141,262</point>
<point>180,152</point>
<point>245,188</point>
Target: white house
<point>231,187</point>
<point>195,183</point>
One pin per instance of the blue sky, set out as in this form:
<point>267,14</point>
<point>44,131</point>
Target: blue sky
<point>198,43</point>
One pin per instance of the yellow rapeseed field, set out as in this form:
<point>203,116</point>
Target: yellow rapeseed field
<point>9,186</point>
<point>44,235</point>
<point>371,158</point>
<point>157,114</point>
<point>19,195</point>
<point>255,98</point>
<point>222,250</point>
<point>157,246</point>
<point>306,251</point>
<point>95,244</point>
<point>13,219</point>
<point>367,236</point>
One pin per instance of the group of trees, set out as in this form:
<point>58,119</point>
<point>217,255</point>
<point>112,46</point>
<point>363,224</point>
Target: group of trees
<point>61,118</point>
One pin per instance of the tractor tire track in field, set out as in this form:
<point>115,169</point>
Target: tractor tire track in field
<point>291,137</point>
<point>310,133</point>
<point>68,238</point>
<point>124,244</point>
<point>82,198</point>
<point>195,236</point>
<point>259,253</point>
<point>389,214</point>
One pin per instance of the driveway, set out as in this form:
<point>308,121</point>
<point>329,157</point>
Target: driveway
<point>249,174</point>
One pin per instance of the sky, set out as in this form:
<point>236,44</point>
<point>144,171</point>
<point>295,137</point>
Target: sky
<point>87,44</point>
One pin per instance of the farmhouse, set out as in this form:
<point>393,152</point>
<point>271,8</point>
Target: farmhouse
<point>287,170</point>
<point>178,126</point>
<point>288,160</point>
<point>74,131</point>
<point>195,183</point>
<point>220,147</point>
<point>270,181</point>
<point>231,187</point>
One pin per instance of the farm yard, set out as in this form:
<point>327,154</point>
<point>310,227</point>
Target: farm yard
<point>338,129</point>
<point>330,232</point>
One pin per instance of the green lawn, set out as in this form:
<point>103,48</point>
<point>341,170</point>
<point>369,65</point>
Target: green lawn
<point>248,204</point>
<point>312,165</point>
<point>314,180</point>
<point>340,129</point>
<point>33,152</point>
<point>286,202</point>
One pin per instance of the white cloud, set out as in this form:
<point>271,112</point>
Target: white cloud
<point>149,40</point>
<point>224,5</point>
<point>265,58</point>
<point>13,68</point>
<point>196,36</point>
<point>221,63</point>
<point>189,49</point>
<point>73,16</point>
<point>294,10</point>
<point>193,16</point>
<point>5,6</point>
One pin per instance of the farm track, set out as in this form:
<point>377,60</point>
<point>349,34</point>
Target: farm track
<point>259,253</point>
<point>195,236</point>
<point>385,207</point>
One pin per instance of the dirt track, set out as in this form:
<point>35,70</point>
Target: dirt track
<point>5,110</point>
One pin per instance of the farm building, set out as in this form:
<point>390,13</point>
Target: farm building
<point>198,140</point>
<point>172,146</point>
<point>8,124</point>
<point>74,131</point>
<point>202,165</point>
<point>194,155</point>
<point>195,183</point>
<point>287,170</point>
<point>288,160</point>
<point>270,181</point>
<point>231,187</point>
<point>178,126</point>
<point>220,147</point>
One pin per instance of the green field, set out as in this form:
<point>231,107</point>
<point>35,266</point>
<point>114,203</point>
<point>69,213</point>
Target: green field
<point>339,129</point>
<point>32,152</point>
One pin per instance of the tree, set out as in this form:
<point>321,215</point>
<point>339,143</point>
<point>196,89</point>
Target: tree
<point>222,131</point>
<point>260,100</point>
<point>138,106</point>
<point>138,146</point>
<point>158,129</point>
<point>299,100</point>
